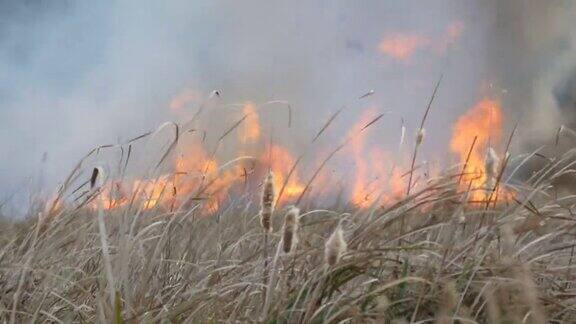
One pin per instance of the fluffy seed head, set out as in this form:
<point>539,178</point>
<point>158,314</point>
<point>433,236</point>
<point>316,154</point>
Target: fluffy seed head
<point>335,246</point>
<point>267,203</point>
<point>420,136</point>
<point>290,230</point>
<point>492,164</point>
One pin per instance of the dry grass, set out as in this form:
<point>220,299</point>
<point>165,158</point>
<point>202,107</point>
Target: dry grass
<point>431,256</point>
<point>501,262</point>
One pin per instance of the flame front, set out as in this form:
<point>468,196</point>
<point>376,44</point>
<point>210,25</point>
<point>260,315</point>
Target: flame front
<point>375,175</point>
<point>281,163</point>
<point>483,122</point>
<point>198,177</point>
<point>366,173</point>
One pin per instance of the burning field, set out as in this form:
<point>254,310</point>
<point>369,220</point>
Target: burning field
<point>189,170</point>
<point>360,162</point>
<point>240,227</point>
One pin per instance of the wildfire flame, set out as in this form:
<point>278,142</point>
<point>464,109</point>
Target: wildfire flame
<point>198,175</point>
<point>250,130</point>
<point>376,176</point>
<point>281,163</point>
<point>150,192</point>
<point>402,46</point>
<point>483,122</point>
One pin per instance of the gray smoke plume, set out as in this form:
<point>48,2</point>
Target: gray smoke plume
<point>531,52</point>
<point>76,74</point>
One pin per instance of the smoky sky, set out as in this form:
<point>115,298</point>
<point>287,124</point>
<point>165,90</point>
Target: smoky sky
<point>76,74</point>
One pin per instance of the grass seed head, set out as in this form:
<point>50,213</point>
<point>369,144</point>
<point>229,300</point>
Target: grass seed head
<point>491,166</point>
<point>290,230</point>
<point>420,136</point>
<point>335,246</point>
<point>97,178</point>
<point>267,204</point>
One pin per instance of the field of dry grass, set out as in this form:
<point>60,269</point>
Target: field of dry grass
<point>454,247</point>
<point>431,256</point>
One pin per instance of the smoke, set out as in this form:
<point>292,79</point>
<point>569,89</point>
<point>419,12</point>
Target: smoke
<point>565,95</point>
<point>531,54</point>
<point>79,74</point>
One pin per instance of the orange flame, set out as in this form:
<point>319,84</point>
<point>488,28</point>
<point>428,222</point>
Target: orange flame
<point>363,173</point>
<point>402,46</point>
<point>483,121</point>
<point>376,179</point>
<point>149,192</point>
<point>184,98</point>
<point>197,174</point>
<point>203,175</point>
<point>250,129</point>
<point>374,174</point>
<point>281,163</point>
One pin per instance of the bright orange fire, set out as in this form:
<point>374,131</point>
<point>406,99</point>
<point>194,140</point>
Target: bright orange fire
<point>375,178</point>
<point>250,129</point>
<point>402,46</point>
<point>195,174</point>
<point>280,164</point>
<point>364,172</point>
<point>149,193</point>
<point>203,178</point>
<point>201,175</point>
<point>483,121</point>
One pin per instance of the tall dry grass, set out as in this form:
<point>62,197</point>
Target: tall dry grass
<point>517,266</point>
<point>430,256</point>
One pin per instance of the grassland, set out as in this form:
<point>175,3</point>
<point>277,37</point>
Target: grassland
<point>445,251</point>
<point>498,262</point>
